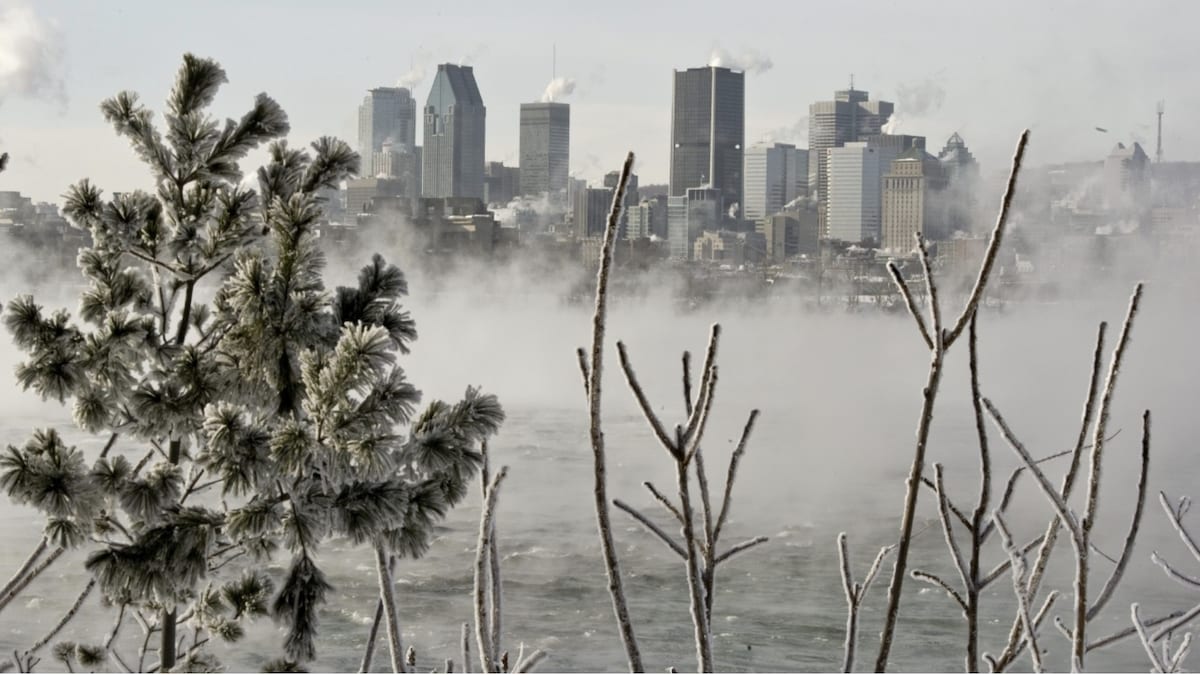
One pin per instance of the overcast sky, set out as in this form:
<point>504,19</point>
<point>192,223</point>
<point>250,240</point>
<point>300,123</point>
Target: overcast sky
<point>983,69</point>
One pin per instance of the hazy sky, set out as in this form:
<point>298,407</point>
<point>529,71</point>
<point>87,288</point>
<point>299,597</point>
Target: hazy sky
<point>982,69</point>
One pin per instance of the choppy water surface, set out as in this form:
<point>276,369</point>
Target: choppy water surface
<point>839,396</point>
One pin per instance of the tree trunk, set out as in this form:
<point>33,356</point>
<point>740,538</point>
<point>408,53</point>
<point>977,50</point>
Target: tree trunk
<point>387,593</point>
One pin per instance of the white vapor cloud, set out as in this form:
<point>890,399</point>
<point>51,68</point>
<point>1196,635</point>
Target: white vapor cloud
<point>919,99</point>
<point>31,55</point>
<point>417,73</point>
<point>748,60</point>
<point>557,89</point>
<point>892,126</point>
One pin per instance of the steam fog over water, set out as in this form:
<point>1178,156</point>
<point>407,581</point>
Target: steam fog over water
<point>839,395</point>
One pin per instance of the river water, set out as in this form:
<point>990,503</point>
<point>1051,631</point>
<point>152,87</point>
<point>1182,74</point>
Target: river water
<point>839,396</point>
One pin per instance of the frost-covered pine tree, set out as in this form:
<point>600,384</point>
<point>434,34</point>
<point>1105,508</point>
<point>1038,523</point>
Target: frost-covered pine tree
<point>262,412</point>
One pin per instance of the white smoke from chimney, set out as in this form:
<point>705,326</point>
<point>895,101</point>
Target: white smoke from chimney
<point>558,88</point>
<point>893,125</point>
<point>412,78</point>
<point>31,55</point>
<point>748,60</point>
<point>734,210</point>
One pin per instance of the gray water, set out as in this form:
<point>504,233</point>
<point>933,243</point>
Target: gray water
<point>839,396</point>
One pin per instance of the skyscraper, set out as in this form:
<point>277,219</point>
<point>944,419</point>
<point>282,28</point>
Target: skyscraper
<point>452,159</point>
<point>545,148</point>
<point>688,215</point>
<point>708,131</point>
<point>912,200</point>
<point>848,118</point>
<point>853,207</point>
<point>775,175</point>
<point>386,114</point>
<point>962,178</point>
<point>591,212</point>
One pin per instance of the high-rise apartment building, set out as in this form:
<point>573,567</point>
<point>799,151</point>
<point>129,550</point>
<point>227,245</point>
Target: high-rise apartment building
<point>591,212</point>
<point>708,131</point>
<point>853,207</point>
<point>545,150</point>
<point>387,114</point>
<point>697,210</point>
<point>775,175</point>
<point>913,201</point>
<point>452,158</point>
<point>849,117</point>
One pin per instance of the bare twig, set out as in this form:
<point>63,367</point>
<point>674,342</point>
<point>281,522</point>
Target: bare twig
<point>855,592</point>
<point>662,499</point>
<point>611,563</point>
<point>647,410</point>
<point>1019,590</point>
<point>651,527</point>
<point>483,637</point>
<point>66,618</point>
<point>739,548</point>
<point>910,303</point>
<point>734,461</point>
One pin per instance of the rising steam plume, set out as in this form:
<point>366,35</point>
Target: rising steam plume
<point>31,55</point>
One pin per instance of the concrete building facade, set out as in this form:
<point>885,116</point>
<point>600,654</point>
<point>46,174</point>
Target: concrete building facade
<point>545,148</point>
<point>775,175</point>
<point>387,114</point>
<point>913,201</point>
<point>850,117</point>
<point>853,208</point>
<point>455,117</point>
<point>700,209</point>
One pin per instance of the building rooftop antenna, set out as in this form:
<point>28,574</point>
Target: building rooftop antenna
<point>851,81</point>
<point>1158,153</point>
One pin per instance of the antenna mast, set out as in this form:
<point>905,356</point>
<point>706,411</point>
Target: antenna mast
<point>1158,154</point>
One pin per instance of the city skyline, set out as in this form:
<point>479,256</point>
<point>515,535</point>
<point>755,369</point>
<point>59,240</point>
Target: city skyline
<point>622,100</point>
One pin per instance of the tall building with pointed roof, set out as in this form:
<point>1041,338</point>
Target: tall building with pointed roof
<point>1126,177</point>
<point>452,158</point>
<point>962,183</point>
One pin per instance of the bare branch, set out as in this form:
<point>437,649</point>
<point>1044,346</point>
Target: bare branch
<point>612,565</point>
<point>487,650</point>
<point>937,581</point>
<point>662,499</point>
<point>935,311</point>
<point>910,303</point>
<point>1127,551</point>
<point>744,546</point>
<point>583,368</point>
<point>734,461</point>
<point>649,525</point>
<point>993,249</point>
<point>647,410</point>
<point>948,528</point>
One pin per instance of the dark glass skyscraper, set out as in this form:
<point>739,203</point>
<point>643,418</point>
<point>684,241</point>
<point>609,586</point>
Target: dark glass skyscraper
<point>708,131</point>
<point>545,148</point>
<point>452,159</point>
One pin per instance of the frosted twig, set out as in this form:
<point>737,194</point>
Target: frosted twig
<point>1147,644</point>
<point>695,580</point>
<point>662,499</point>
<point>1139,504</point>
<point>935,580</point>
<point>1003,566</point>
<point>66,618</point>
<point>600,491</point>
<point>493,554</point>
<point>1056,500</point>
<point>948,529</point>
<point>28,578</point>
<point>387,593</point>
<point>1011,486</point>
<point>1176,519</point>
<point>855,592</point>
<point>466,647</point>
<point>1068,482</point>
<point>739,548</point>
<point>935,312</point>
<point>734,461</point>
<point>483,637</point>
<point>649,525</point>
<point>957,513</point>
<point>644,403</point>
<point>530,662</point>
<point>694,428</point>
<point>1174,573</point>
<point>25,566</point>
<point>910,303</point>
<point>1018,576</point>
<point>993,249</point>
